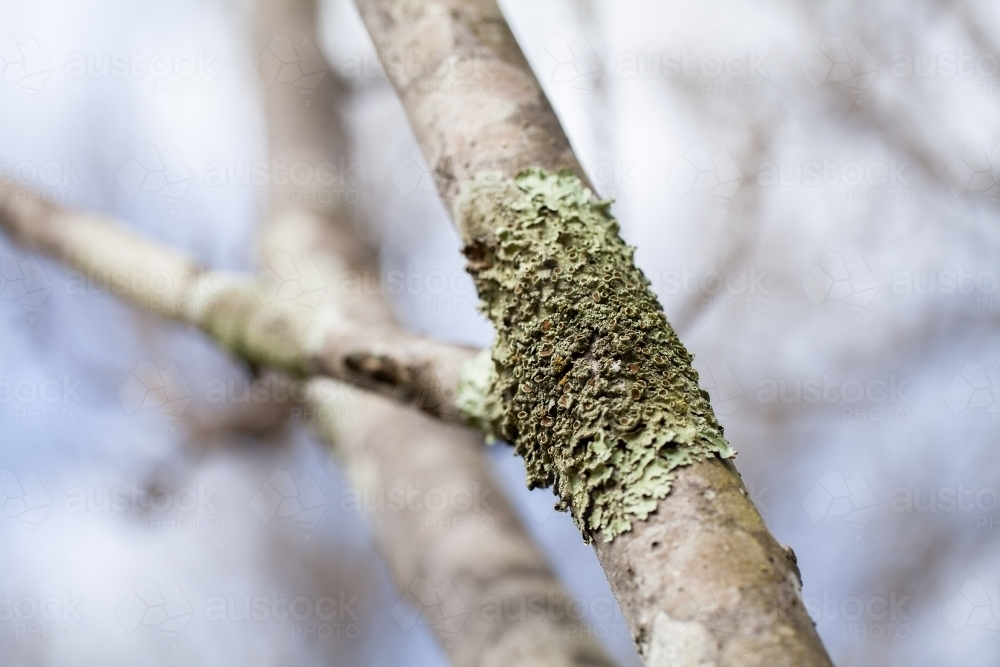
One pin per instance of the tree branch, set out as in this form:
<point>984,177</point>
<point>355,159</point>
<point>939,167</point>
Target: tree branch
<point>240,313</point>
<point>589,382</point>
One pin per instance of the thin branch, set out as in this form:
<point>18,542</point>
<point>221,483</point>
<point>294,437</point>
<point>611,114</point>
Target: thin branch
<point>239,312</point>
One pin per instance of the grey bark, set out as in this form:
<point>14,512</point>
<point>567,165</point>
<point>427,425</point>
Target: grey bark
<point>702,581</point>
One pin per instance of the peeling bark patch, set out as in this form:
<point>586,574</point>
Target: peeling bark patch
<point>588,380</point>
<point>681,644</point>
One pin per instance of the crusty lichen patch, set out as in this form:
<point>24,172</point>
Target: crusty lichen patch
<point>588,380</point>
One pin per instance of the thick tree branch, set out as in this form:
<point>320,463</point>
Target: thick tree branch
<point>242,314</point>
<point>589,382</point>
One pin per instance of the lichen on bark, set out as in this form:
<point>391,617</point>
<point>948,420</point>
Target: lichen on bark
<point>589,382</point>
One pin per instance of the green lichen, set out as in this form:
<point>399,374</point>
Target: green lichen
<point>475,397</point>
<point>588,381</point>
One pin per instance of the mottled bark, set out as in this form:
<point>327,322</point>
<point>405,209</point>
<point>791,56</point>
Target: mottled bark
<point>703,582</point>
<point>471,97</point>
<point>700,580</point>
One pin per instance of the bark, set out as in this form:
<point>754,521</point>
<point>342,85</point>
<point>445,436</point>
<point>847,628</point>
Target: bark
<point>241,313</point>
<point>700,579</point>
<point>456,546</point>
<point>471,97</point>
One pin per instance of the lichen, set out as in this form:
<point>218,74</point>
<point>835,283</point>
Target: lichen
<point>588,381</point>
<point>475,397</point>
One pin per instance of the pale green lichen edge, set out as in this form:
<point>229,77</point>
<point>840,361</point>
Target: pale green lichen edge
<point>585,377</point>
